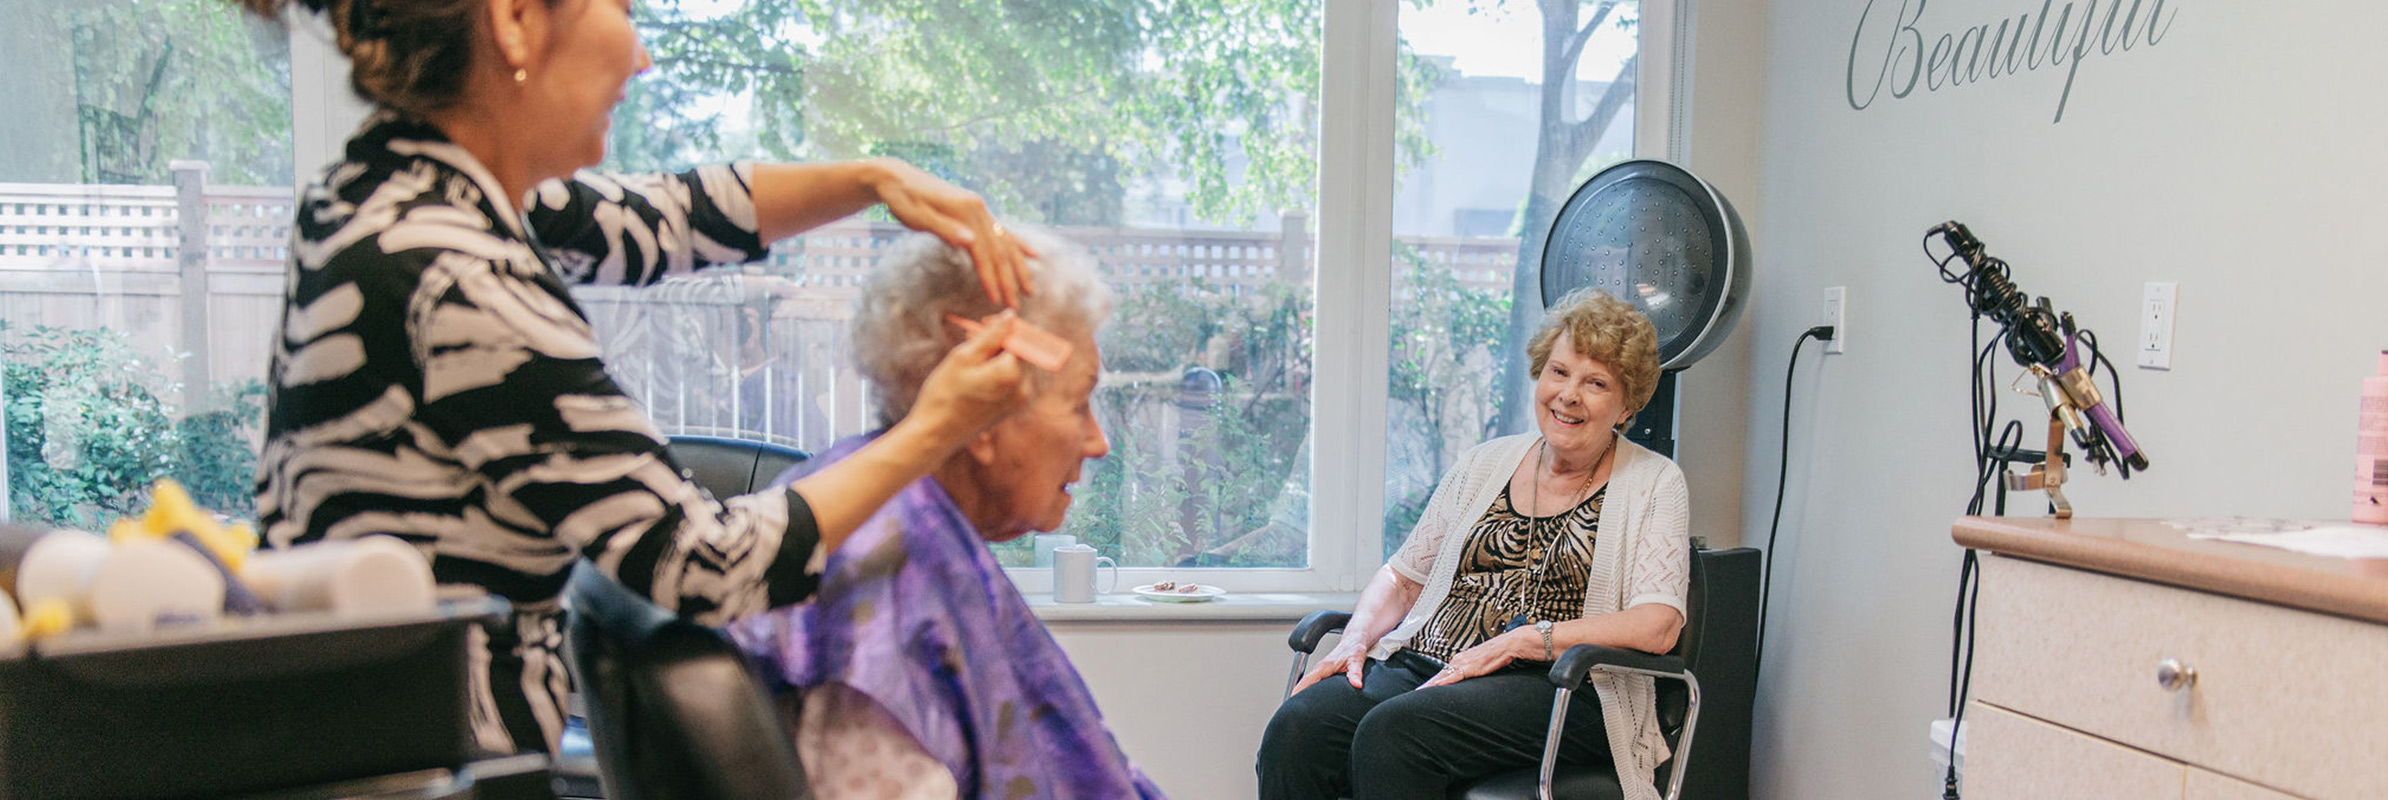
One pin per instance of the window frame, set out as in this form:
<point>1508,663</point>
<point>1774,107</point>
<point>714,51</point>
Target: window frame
<point>1358,52</point>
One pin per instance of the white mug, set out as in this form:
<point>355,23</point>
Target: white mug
<point>1045,542</point>
<point>1074,573</point>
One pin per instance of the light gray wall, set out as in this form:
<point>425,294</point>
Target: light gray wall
<point>1187,700</point>
<point>2239,156</point>
<point>1721,146</point>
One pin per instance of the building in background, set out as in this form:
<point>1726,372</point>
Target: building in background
<point>1473,185</point>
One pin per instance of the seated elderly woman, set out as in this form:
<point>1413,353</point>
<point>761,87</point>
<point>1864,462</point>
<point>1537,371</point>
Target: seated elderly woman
<point>1532,544</point>
<point>922,672</point>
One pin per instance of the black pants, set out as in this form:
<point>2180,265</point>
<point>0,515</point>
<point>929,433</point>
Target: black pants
<point>1390,739</point>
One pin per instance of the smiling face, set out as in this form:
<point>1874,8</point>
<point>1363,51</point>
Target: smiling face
<point>591,51</point>
<point>1577,401</point>
<point>1025,464</point>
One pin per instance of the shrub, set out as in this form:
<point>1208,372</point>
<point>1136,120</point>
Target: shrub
<point>89,427</point>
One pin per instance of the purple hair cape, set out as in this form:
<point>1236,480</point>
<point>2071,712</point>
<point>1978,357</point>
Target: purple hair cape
<point>914,612</point>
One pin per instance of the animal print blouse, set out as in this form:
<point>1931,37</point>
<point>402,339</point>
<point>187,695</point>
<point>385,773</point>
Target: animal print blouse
<point>1514,565</point>
<point>434,380</point>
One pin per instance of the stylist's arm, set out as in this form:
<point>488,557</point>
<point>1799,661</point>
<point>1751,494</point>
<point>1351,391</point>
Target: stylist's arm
<point>975,386</point>
<point>793,198</point>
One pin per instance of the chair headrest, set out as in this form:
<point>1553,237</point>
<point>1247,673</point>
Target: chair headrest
<point>732,467</point>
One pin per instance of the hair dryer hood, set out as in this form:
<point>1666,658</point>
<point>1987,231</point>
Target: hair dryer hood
<point>1660,239</point>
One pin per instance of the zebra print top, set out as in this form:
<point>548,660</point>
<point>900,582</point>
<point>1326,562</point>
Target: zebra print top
<point>434,380</point>
<point>1514,565</point>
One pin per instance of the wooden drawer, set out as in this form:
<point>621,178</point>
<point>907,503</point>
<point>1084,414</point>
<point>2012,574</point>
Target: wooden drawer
<point>2013,757</point>
<point>2284,698</point>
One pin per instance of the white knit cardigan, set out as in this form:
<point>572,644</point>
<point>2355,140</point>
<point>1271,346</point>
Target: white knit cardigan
<point>1647,506</point>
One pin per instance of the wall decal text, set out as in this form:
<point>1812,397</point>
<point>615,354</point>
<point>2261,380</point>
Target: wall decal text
<point>2057,36</point>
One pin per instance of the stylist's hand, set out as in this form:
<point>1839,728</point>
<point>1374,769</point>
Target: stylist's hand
<point>925,203</point>
<point>977,385</point>
<point>1349,657</point>
<point>1489,657</point>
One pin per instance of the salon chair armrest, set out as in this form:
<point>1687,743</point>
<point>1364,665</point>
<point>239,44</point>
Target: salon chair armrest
<point>1579,661</point>
<point>1305,638</point>
<point>1307,633</point>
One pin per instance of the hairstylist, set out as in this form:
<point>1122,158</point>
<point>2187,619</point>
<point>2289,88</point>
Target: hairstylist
<point>434,379</point>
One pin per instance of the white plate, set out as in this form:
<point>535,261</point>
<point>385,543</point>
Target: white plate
<point>1200,594</point>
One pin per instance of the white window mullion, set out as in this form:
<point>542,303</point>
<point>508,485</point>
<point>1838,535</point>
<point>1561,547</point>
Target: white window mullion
<point>1355,165</point>
<point>323,109</point>
<point>1662,94</point>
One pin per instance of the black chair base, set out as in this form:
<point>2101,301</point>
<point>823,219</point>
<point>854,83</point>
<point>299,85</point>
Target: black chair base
<point>1573,784</point>
<point>575,766</point>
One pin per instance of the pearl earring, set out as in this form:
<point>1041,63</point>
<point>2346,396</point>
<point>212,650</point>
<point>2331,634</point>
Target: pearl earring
<point>521,75</point>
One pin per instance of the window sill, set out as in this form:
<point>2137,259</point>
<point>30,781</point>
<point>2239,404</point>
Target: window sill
<point>1232,607</point>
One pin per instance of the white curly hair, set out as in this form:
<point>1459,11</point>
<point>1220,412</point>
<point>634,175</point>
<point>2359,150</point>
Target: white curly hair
<point>900,332</point>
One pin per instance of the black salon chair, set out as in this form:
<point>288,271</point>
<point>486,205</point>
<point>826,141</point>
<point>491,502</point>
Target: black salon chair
<point>732,467</point>
<point>673,708</point>
<point>1706,686</point>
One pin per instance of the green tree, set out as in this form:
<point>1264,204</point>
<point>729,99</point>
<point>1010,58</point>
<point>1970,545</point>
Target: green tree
<point>1048,107</point>
<point>158,80</point>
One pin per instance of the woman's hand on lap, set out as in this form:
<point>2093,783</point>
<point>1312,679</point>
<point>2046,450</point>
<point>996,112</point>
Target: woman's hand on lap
<point>1489,657</point>
<point>923,202</point>
<point>1349,658</point>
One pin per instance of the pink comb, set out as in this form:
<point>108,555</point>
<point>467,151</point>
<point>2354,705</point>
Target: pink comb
<point>1037,346</point>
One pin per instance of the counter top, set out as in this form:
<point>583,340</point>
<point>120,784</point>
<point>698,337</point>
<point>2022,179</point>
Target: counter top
<point>2150,550</point>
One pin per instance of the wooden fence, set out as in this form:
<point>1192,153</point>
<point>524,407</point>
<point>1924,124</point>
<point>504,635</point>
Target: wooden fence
<point>192,274</point>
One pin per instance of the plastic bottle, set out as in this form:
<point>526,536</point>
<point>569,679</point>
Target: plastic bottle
<point>352,577</point>
<point>2371,449</point>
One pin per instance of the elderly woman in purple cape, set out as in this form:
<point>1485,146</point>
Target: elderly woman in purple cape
<point>922,672</point>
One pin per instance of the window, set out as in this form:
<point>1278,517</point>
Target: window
<point>1482,182</point>
<point>145,206</point>
<point>1184,152</point>
<point>1227,168</point>
<point>1178,149</point>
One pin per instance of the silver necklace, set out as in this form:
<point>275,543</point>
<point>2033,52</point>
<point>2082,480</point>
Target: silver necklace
<point>1525,591</point>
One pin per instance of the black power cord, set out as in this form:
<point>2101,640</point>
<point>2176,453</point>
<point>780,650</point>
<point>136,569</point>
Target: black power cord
<point>1782,475</point>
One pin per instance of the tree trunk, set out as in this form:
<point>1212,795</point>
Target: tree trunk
<point>1561,144</point>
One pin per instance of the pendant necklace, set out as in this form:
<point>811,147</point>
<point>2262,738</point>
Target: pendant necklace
<point>1534,571</point>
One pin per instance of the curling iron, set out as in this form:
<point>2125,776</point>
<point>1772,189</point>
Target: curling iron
<point>2047,344</point>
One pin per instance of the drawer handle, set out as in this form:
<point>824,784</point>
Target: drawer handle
<point>2174,675</point>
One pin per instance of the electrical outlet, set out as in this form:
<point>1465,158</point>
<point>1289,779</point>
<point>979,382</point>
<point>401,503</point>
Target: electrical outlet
<point>2156,310</point>
<point>1836,314</point>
